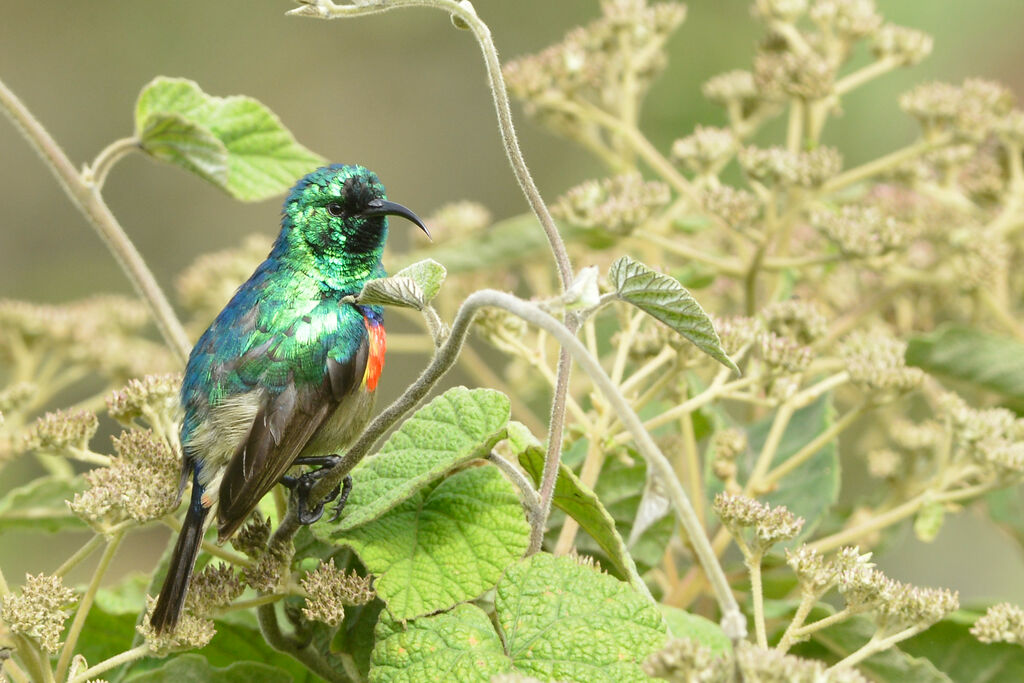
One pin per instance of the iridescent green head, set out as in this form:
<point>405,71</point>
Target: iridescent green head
<point>337,215</point>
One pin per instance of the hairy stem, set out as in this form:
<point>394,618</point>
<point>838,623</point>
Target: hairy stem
<point>877,644</point>
<point>87,198</point>
<point>107,664</point>
<point>307,655</point>
<point>85,604</point>
<point>105,160</point>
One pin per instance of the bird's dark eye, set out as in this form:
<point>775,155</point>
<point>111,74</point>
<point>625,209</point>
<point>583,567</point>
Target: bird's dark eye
<point>335,209</point>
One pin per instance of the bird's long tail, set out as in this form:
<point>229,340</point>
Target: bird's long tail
<point>183,560</point>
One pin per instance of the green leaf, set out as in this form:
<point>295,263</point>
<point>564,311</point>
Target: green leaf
<point>194,668</point>
<point>1006,507</point>
<point>577,500</point>
<point>663,298</point>
<point>174,139</point>
<point>682,624</point>
<point>557,620</point>
<point>810,490</point>
<point>235,142</point>
<point>952,649</point>
<point>564,621</point>
<point>970,355</point>
<point>460,645</point>
<point>400,292</point>
<point>428,274</point>
<point>41,505</point>
<point>356,634</point>
<point>446,544</point>
<point>454,428</point>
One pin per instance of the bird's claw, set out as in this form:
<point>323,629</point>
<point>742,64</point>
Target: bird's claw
<point>302,486</point>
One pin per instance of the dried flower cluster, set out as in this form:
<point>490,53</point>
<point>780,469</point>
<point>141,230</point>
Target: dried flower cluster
<point>39,610</point>
<point>329,589</point>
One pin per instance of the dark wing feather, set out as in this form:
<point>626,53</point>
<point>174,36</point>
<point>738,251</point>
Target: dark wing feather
<point>279,433</point>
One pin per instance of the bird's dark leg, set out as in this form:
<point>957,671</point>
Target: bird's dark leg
<point>303,484</point>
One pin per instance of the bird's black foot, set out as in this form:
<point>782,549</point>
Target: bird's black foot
<point>302,485</point>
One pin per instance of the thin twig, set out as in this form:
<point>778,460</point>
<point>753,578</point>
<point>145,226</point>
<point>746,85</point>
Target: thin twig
<point>89,201</point>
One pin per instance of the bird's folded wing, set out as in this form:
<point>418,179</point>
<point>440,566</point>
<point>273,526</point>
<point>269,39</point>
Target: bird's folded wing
<point>281,429</point>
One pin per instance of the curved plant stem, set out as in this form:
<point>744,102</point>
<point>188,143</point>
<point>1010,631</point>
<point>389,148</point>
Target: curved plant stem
<point>105,160</point>
<point>87,198</point>
<point>107,664</point>
<point>85,604</point>
<point>302,652</point>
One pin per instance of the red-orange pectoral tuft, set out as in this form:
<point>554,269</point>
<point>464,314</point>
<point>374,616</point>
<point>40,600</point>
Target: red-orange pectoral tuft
<point>378,345</point>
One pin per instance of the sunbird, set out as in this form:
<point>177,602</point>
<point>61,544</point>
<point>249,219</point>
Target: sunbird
<point>286,374</point>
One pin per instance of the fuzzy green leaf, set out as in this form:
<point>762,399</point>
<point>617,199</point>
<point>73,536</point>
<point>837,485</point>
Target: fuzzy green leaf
<point>41,505</point>
<point>428,274</point>
<point>176,140</point>
<point>454,428</point>
<point>195,669</point>
<point>558,621</point>
<point>444,545</point>
<point>234,142</point>
<point>682,624</point>
<point>578,501</point>
<point>460,644</point>
<point>663,298</point>
<point>400,292</point>
<point>970,355</point>
<point>564,621</point>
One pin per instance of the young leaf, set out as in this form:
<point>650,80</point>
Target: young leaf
<point>41,505</point>
<point>564,621</point>
<point>662,297</point>
<point>454,428</point>
<point>428,274</point>
<point>235,142</point>
<point>461,644</point>
<point>577,500</point>
<point>401,292</point>
<point>444,545</point>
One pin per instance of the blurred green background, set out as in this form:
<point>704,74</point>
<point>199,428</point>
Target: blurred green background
<point>404,94</point>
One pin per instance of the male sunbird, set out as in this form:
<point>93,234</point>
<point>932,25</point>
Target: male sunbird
<point>287,372</point>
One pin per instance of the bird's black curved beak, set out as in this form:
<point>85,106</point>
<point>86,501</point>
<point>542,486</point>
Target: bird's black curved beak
<point>382,207</point>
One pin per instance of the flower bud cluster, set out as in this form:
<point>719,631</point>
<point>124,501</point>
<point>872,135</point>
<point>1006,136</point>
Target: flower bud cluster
<point>62,430</point>
<point>215,587</point>
<point>685,659</point>
<point>971,110</point>
<point>39,610</point>
<point>907,46</point>
<point>705,149</point>
<point>191,632</point>
<point>783,353</point>
<point>154,397</point>
<point>737,208</point>
<point>141,482</point>
<point>594,61</point>
<point>770,525</point>
<point>895,604</point>
<point>862,231</point>
<point>797,319</point>
<point>1002,623</point>
<point>769,665</point>
<point>15,396</point>
<point>736,332</point>
<point>329,589</point>
<point>732,87</point>
<point>992,437</point>
<point>776,166</point>
<point>782,73</point>
<point>849,19</point>
<point>726,445</point>
<point>876,363</point>
<point>617,205</point>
